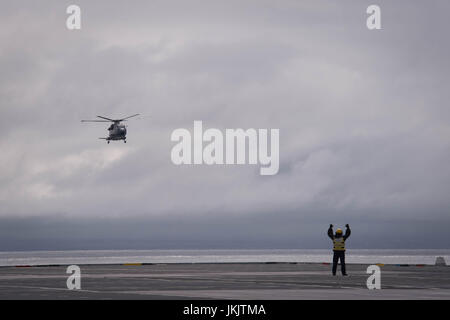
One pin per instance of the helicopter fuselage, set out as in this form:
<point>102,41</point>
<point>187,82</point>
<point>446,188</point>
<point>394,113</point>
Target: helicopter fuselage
<point>117,132</point>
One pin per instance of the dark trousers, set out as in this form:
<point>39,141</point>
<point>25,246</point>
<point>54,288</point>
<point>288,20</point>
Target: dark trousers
<point>339,255</point>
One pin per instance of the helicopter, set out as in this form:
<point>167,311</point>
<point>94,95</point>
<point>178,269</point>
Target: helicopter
<point>117,131</point>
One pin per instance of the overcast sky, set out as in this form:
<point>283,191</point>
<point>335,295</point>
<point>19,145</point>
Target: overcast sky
<point>363,118</point>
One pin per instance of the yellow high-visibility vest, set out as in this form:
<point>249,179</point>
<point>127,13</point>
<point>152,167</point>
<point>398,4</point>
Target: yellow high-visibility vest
<point>339,244</point>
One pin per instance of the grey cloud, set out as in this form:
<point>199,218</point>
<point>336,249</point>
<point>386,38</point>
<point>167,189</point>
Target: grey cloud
<point>362,117</point>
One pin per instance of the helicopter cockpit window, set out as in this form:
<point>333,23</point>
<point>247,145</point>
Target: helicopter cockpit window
<point>110,127</point>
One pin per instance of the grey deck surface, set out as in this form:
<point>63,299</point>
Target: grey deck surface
<point>224,281</point>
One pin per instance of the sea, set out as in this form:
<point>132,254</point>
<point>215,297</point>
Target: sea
<point>361,256</point>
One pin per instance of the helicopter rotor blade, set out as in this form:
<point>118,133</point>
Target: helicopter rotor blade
<point>134,115</point>
<point>107,118</point>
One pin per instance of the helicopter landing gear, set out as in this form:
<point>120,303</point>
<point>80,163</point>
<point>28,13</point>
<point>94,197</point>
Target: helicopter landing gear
<point>124,141</point>
<point>108,141</point>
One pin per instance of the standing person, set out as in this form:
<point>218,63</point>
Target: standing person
<point>339,247</point>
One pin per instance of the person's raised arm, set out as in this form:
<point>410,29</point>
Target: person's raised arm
<point>330,232</point>
<point>347,232</point>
